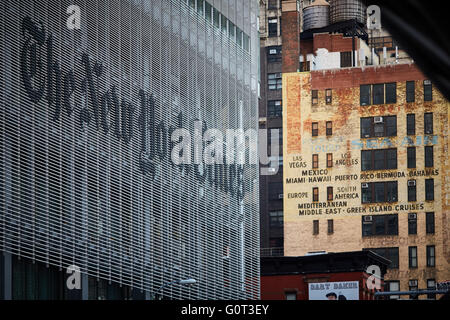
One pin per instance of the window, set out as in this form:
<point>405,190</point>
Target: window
<point>305,66</point>
<point>378,93</point>
<point>291,295</point>
<point>429,189</point>
<point>364,94</point>
<point>330,193</point>
<point>231,30</point>
<point>412,191</point>
<point>346,59</point>
<point>274,109</point>
<point>431,256</point>
<point>428,156</point>
<point>273,27</point>
<point>274,54</point>
<point>429,222</point>
<point>378,126</point>
<point>208,12</point>
<point>329,160</point>
<point>378,225</point>
<point>428,123</point>
<point>382,159</point>
<point>328,97</point>
<point>276,219</point>
<point>329,128</point>
<point>388,253</point>
<point>330,226</point>
<point>216,17</point>
<point>412,223</point>
<point>315,161</point>
<point>411,124</point>
<point>412,257</point>
<point>315,226</point>
<point>224,23</point>
<point>315,194</point>
<point>392,286</point>
<point>273,4</point>
<point>274,81</point>
<point>391,92</point>
<point>411,157</point>
<point>200,4</point>
<point>315,129</point>
<point>413,287</point>
<point>374,192</point>
<point>427,90</point>
<point>410,91</point>
<point>314,97</point>
<point>431,285</point>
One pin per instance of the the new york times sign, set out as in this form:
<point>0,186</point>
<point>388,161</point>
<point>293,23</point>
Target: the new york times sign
<point>43,79</point>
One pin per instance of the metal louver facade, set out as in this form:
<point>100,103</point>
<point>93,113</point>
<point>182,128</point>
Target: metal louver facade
<point>86,177</point>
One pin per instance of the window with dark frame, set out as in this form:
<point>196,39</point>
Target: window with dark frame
<point>410,91</point>
<point>378,126</point>
<point>411,154</point>
<point>413,287</point>
<point>378,93</point>
<point>315,161</point>
<point>330,193</point>
<point>346,59</point>
<point>315,129</point>
<point>379,159</point>
<point>305,66</point>
<point>428,123</point>
<point>411,124</point>
<point>329,160</point>
<point>329,128</point>
<point>314,97</point>
<point>330,226</point>
<point>328,96</point>
<point>431,256</point>
<point>374,192</point>
<point>273,27</point>
<point>276,219</point>
<point>274,109</point>
<point>378,225</point>
<point>365,94</point>
<point>412,190</point>
<point>412,223</point>
<point>315,194</point>
<point>427,90</point>
<point>429,222</point>
<point>429,189</point>
<point>274,81</point>
<point>412,256</point>
<point>392,286</point>
<point>431,285</point>
<point>429,156</point>
<point>391,92</point>
<point>315,227</point>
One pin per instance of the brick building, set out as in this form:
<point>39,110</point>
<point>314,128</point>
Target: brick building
<point>366,167</point>
<point>291,278</point>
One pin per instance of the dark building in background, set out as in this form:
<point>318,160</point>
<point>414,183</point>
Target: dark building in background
<point>270,117</point>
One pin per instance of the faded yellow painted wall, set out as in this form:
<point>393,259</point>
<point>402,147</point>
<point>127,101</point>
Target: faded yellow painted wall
<point>345,175</point>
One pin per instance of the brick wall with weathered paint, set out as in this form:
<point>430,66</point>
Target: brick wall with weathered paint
<point>345,145</point>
